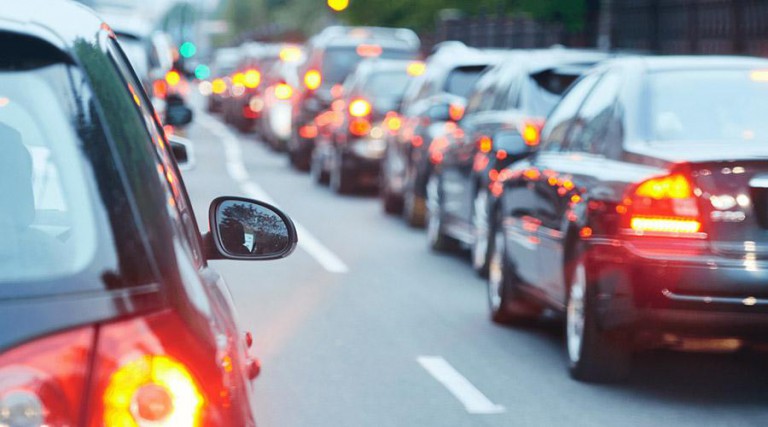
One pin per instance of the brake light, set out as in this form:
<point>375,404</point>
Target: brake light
<point>283,91</point>
<point>359,108</point>
<point>369,50</point>
<point>665,205</point>
<point>42,382</point>
<point>148,372</point>
<point>337,91</point>
<point>393,122</point>
<point>456,112</point>
<point>159,89</point>
<point>252,79</point>
<point>290,54</point>
<point>485,144</point>
<point>219,86</point>
<point>530,130</point>
<point>238,79</point>
<point>359,127</point>
<point>416,68</point>
<point>308,131</point>
<point>313,79</point>
<point>173,78</point>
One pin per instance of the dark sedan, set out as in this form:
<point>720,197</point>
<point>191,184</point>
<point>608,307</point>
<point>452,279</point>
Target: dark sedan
<point>643,218</point>
<point>110,312</point>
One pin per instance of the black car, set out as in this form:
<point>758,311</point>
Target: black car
<point>643,217</point>
<point>331,56</point>
<point>351,154</point>
<point>431,101</point>
<point>511,99</point>
<point>110,312</point>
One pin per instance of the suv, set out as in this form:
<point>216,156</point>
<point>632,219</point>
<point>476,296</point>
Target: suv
<point>332,56</point>
<point>111,314</point>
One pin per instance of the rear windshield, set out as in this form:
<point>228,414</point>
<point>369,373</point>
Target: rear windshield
<point>461,80</point>
<point>46,220</point>
<point>544,90</point>
<point>717,105</point>
<point>339,62</point>
<point>389,84</point>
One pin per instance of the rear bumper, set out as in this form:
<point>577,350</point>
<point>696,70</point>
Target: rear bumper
<point>697,293</point>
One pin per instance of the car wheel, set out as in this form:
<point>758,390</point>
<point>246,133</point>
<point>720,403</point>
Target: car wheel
<point>341,181</point>
<point>436,237</point>
<point>414,209</point>
<point>481,245</point>
<point>593,355</point>
<point>505,301</point>
<point>392,203</point>
<point>319,175</point>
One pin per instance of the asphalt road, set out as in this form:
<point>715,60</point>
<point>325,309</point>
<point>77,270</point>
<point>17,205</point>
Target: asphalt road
<point>364,326</point>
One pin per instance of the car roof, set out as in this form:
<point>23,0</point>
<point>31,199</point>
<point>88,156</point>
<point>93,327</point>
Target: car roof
<point>42,19</point>
<point>685,62</point>
<point>351,36</point>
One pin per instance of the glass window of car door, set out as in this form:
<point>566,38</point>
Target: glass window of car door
<point>596,116</point>
<point>178,201</point>
<point>555,131</point>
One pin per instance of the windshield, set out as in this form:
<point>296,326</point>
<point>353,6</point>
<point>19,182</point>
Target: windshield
<point>544,90</point>
<point>46,221</point>
<point>339,62</point>
<point>717,105</point>
<point>461,80</point>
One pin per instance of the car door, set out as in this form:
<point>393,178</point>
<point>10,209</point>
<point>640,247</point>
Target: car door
<point>575,171</point>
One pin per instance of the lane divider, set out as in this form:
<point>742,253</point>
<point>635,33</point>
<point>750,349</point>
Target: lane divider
<point>238,172</point>
<point>474,400</point>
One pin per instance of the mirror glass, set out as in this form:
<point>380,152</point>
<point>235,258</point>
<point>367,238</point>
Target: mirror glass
<point>510,141</point>
<point>250,230</point>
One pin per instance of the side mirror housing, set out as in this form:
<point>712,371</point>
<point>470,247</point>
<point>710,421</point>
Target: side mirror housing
<point>245,229</point>
<point>177,113</point>
<point>183,151</point>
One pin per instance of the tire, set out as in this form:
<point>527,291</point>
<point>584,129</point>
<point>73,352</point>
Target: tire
<point>593,355</point>
<point>392,204</point>
<point>414,209</point>
<point>319,176</point>
<point>505,301</point>
<point>482,243</point>
<point>436,237</point>
<point>341,181</point>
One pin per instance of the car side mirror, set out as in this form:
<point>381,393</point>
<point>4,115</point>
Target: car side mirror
<point>177,113</point>
<point>512,142</point>
<point>245,229</point>
<point>183,151</point>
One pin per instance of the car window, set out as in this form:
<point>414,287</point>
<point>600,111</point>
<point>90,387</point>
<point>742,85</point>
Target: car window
<point>339,62</point>
<point>461,80</point>
<point>555,131</point>
<point>693,106</point>
<point>175,190</point>
<point>595,116</point>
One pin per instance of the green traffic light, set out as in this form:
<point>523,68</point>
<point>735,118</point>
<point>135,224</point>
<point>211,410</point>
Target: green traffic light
<point>188,49</point>
<point>202,72</point>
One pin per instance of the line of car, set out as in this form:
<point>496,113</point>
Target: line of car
<point>625,194</point>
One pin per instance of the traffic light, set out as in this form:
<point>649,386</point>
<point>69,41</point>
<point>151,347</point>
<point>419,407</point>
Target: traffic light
<point>338,5</point>
<point>187,49</point>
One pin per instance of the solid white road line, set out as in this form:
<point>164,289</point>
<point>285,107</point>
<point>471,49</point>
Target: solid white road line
<point>473,399</point>
<point>237,171</point>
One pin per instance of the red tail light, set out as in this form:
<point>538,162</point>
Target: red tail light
<point>148,372</point>
<point>456,112</point>
<point>308,131</point>
<point>485,144</point>
<point>359,127</point>
<point>369,50</point>
<point>662,205</point>
<point>313,79</point>
<point>530,130</point>
<point>159,89</point>
<point>44,382</point>
<point>252,79</point>
<point>283,91</point>
<point>360,108</point>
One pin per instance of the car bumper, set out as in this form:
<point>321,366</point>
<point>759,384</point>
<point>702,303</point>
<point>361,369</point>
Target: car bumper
<point>689,290</point>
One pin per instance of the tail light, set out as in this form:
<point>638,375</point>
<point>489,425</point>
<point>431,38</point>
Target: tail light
<point>219,86</point>
<point>485,144</point>
<point>290,54</point>
<point>313,79</point>
<point>359,108</point>
<point>238,79</point>
<point>455,112</point>
<point>169,131</point>
<point>308,131</point>
<point>43,382</point>
<point>173,78</point>
<point>359,127</point>
<point>148,373</point>
<point>283,91</point>
<point>369,50</point>
<point>530,130</point>
<point>662,205</point>
<point>393,122</point>
<point>159,89</point>
<point>416,68</point>
<point>252,79</point>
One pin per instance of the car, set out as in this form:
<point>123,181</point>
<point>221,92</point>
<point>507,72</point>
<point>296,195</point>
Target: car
<point>331,56</point>
<point>281,84</point>
<point>223,66</point>
<point>350,155</point>
<point>512,98</point>
<point>112,314</point>
<point>433,100</point>
<point>641,218</point>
